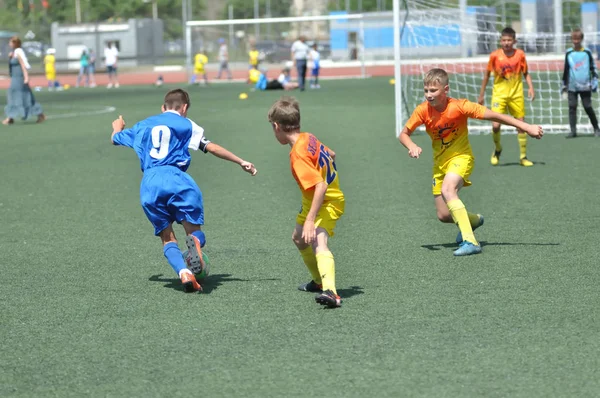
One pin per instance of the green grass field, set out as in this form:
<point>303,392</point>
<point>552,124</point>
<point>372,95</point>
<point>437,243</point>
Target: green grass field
<point>90,307</point>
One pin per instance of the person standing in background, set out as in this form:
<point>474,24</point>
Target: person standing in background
<point>580,78</point>
<point>223,59</point>
<point>84,63</point>
<point>111,55</point>
<point>92,67</point>
<point>299,56</point>
<point>50,68</point>
<point>20,100</point>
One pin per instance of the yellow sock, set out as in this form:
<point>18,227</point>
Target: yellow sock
<point>311,263</point>
<point>459,213</point>
<point>327,269</point>
<point>522,137</point>
<point>473,219</point>
<point>496,138</point>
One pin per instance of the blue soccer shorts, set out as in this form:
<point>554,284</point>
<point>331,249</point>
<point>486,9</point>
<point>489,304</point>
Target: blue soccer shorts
<point>170,195</point>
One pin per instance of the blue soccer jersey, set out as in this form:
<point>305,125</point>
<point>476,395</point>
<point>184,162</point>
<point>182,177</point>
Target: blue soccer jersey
<point>167,193</point>
<point>163,140</point>
<point>580,69</point>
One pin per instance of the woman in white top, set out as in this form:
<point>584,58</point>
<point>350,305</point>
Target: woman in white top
<point>20,100</point>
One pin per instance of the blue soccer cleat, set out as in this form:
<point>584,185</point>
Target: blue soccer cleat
<point>466,248</point>
<point>459,238</point>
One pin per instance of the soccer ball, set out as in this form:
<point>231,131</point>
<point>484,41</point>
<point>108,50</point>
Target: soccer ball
<point>205,272</point>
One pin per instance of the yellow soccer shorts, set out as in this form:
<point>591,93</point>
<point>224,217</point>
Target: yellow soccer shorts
<point>327,216</point>
<point>51,75</point>
<point>198,70</point>
<point>461,165</point>
<point>514,104</point>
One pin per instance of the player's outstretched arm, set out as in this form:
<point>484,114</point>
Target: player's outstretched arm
<point>223,153</point>
<point>118,125</point>
<point>533,130</point>
<point>531,91</point>
<point>309,232</point>
<point>414,151</point>
<point>484,83</point>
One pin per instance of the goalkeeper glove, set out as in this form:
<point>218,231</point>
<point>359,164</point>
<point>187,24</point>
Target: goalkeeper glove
<point>594,84</point>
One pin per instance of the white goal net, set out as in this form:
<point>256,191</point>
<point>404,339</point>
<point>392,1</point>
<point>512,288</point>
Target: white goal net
<point>436,34</point>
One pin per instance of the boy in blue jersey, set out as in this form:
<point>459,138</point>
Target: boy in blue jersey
<point>580,78</point>
<point>167,193</point>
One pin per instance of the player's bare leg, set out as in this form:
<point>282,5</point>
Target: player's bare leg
<point>497,146</point>
<point>450,186</point>
<point>308,256</point>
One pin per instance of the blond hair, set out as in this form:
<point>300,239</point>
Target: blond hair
<point>286,113</point>
<point>436,75</point>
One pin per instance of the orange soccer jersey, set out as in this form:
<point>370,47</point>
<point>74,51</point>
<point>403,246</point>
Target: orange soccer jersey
<point>311,164</point>
<point>508,73</point>
<point>448,129</point>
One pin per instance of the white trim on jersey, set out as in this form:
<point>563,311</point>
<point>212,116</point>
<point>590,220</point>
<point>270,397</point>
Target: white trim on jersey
<point>198,141</point>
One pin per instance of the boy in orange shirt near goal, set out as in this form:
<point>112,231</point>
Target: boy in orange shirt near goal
<point>313,168</point>
<point>445,121</point>
<point>509,67</point>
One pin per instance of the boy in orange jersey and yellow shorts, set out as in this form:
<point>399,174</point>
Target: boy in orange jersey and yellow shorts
<point>509,67</point>
<point>313,168</point>
<point>445,121</point>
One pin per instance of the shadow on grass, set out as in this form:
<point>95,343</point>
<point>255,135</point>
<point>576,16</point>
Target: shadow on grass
<point>519,164</point>
<point>440,246</point>
<point>208,285</point>
<point>349,292</point>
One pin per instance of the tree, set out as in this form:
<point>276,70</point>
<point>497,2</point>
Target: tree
<point>38,19</point>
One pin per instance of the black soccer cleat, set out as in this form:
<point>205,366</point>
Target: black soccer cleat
<point>329,299</point>
<point>312,287</point>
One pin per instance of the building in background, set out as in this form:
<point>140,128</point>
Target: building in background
<point>139,41</point>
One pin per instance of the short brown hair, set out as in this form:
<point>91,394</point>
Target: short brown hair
<point>286,113</point>
<point>436,75</point>
<point>15,41</point>
<point>175,99</point>
<point>510,32</point>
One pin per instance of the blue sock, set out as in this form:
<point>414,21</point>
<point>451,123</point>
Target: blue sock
<point>201,237</point>
<point>174,257</point>
<point>193,79</point>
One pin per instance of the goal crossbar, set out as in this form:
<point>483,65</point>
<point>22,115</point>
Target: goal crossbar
<point>253,21</point>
